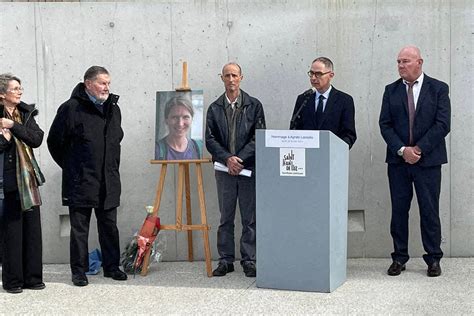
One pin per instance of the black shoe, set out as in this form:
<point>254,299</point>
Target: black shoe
<point>116,275</point>
<point>395,268</point>
<point>249,269</point>
<point>37,286</point>
<point>79,280</point>
<point>14,290</point>
<point>434,269</point>
<point>222,269</point>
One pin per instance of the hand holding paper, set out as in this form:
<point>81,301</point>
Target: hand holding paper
<point>221,167</point>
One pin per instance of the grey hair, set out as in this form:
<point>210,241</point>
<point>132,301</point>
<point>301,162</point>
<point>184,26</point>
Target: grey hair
<point>5,79</point>
<point>94,71</point>
<point>179,100</point>
<point>326,62</point>
<point>232,63</point>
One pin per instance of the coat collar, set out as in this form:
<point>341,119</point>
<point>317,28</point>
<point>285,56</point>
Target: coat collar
<point>245,99</point>
<point>330,103</point>
<point>401,91</point>
<point>23,108</point>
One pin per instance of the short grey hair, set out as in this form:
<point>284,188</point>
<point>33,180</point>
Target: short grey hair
<point>326,62</point>
<point>232,63</point>
<point>5,79</point>
<point>94,71</point>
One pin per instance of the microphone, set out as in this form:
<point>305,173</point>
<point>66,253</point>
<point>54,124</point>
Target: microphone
<point>297,116</point>
<point>309,91</point>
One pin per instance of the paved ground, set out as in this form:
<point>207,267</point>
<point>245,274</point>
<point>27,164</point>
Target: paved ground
<point>184,288</point>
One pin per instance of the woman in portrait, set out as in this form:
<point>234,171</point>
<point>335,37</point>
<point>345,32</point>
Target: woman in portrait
<point>22,266</point>
<point>177,145</point>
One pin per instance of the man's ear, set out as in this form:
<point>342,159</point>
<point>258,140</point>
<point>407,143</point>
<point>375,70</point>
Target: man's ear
<point>87,83</point>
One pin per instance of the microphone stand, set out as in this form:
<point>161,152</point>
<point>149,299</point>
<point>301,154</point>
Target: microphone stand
<point>297,114</point>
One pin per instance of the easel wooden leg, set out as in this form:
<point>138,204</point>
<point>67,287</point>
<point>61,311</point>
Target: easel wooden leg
<point>205,232</point>
<point>156,208</point>
<point>179,197</point>
<point>189,218</point>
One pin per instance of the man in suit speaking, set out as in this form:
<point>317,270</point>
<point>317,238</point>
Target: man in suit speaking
<point>414,120</point>
<point>323,107</point>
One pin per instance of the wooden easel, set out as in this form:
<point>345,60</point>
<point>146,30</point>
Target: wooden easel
<point>184,187</point>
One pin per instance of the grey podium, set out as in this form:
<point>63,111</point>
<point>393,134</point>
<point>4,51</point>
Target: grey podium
<point>302,202</point>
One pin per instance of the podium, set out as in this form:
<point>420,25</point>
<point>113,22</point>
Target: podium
<point>302,205</point>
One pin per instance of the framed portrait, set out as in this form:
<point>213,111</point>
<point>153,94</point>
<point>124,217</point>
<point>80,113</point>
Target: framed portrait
<point>179,125</point>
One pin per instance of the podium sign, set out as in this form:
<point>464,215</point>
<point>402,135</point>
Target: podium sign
<point>302,203</point>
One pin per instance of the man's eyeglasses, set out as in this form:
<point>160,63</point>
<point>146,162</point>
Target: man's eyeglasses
<point>16,90</point>
<point>317,74</point>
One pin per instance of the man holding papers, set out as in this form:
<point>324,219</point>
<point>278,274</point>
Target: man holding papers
<point>230,139</point>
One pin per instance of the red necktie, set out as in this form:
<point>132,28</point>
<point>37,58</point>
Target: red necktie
<point>411,109</point>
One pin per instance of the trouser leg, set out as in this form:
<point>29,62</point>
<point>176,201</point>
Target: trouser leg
<point>108,238</point>
<point>401,194</point>
<point>32,248</point>
<point>79,249</point>
<point>428,188</point>
<point>227,197</point>
<point>246,194</point>
<point>12,264</point>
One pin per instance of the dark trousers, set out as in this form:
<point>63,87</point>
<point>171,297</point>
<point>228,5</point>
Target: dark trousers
<point>427,182</point>
<point>108,238</point>
<point>229,190</point>
<point>22,263</point>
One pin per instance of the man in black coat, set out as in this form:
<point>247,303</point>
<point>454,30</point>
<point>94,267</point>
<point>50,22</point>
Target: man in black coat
<point>84,140</point>
<point>414,121</point>
<point>324,107</point>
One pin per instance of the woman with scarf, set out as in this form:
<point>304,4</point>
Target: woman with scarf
<point>22,266</point>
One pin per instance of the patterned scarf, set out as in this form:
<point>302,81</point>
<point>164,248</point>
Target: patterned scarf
<point>28,173</point>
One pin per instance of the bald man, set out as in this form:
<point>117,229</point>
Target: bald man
<point>414,121</point>
<point>230,138</point>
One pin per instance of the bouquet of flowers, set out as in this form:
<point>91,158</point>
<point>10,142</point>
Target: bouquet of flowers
<point>135,251</point>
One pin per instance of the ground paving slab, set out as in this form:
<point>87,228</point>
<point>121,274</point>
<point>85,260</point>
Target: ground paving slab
<point>184,288</point>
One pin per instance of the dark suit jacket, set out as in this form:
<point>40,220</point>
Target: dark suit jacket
<point>431,125</point>
<point>338,115</point>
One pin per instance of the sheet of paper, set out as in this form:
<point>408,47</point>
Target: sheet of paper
<point>221,167</point>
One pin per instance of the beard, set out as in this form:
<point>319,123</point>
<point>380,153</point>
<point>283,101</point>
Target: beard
<point>103,97</point>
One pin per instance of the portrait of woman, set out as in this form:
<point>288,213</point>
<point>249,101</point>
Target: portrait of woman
<point>22,266</point>
<point>178,119</point>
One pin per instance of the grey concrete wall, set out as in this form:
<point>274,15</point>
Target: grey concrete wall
<point>50,45</point>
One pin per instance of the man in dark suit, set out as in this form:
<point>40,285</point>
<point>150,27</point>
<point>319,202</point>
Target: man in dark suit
<point>324,107</point>
<point>414,120</point>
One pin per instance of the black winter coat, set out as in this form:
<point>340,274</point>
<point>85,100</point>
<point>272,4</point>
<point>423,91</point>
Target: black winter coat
<point>217,131</point>
<point>85,143</point>
<point>29,132</point>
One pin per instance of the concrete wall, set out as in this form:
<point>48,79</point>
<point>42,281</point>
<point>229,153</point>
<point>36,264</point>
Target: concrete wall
<point>50,45</point>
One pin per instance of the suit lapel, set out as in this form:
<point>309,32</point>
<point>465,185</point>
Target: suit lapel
<point>402,94</point>
<point>423,92</point>
<point>310,109</point>
<point>330,104</point>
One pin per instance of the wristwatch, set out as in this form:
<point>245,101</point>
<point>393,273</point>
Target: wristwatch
<point>401,150</point>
